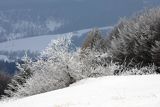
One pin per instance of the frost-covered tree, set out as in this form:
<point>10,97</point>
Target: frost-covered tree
<point>49,72</point>
<point>24,73</point>
<point>59,65</point>
<point>136,40</point>
<point>93,40</point>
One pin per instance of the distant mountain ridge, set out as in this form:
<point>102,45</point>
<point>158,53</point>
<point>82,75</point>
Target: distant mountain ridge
<point>28,18</point>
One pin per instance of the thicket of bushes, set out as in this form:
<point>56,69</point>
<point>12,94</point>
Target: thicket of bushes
<point>132,48</point>
<point>136,40</point>
<point>132,42</point>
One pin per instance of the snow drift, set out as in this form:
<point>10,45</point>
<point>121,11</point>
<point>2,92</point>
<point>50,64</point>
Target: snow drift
<point>110,91</point>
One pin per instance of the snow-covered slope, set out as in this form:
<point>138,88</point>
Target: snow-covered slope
<point>39,43</point>
<point>32,44</point>
<point>111,91</point>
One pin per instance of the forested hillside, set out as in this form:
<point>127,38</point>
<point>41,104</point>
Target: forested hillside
<point>27,18</point>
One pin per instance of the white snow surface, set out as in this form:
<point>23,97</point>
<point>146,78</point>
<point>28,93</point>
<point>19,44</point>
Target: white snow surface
<point>110,91</point>
<point>33,43</point>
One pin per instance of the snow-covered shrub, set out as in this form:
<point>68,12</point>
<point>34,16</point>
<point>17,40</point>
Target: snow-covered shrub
<point>20,78</point>
<point>142,71</point>
<point>49,77</point>
<point>48,73</point>
<point>59,65</point>
<point>136,40</point>
<point>93,40</point>
<point>94,63</point>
